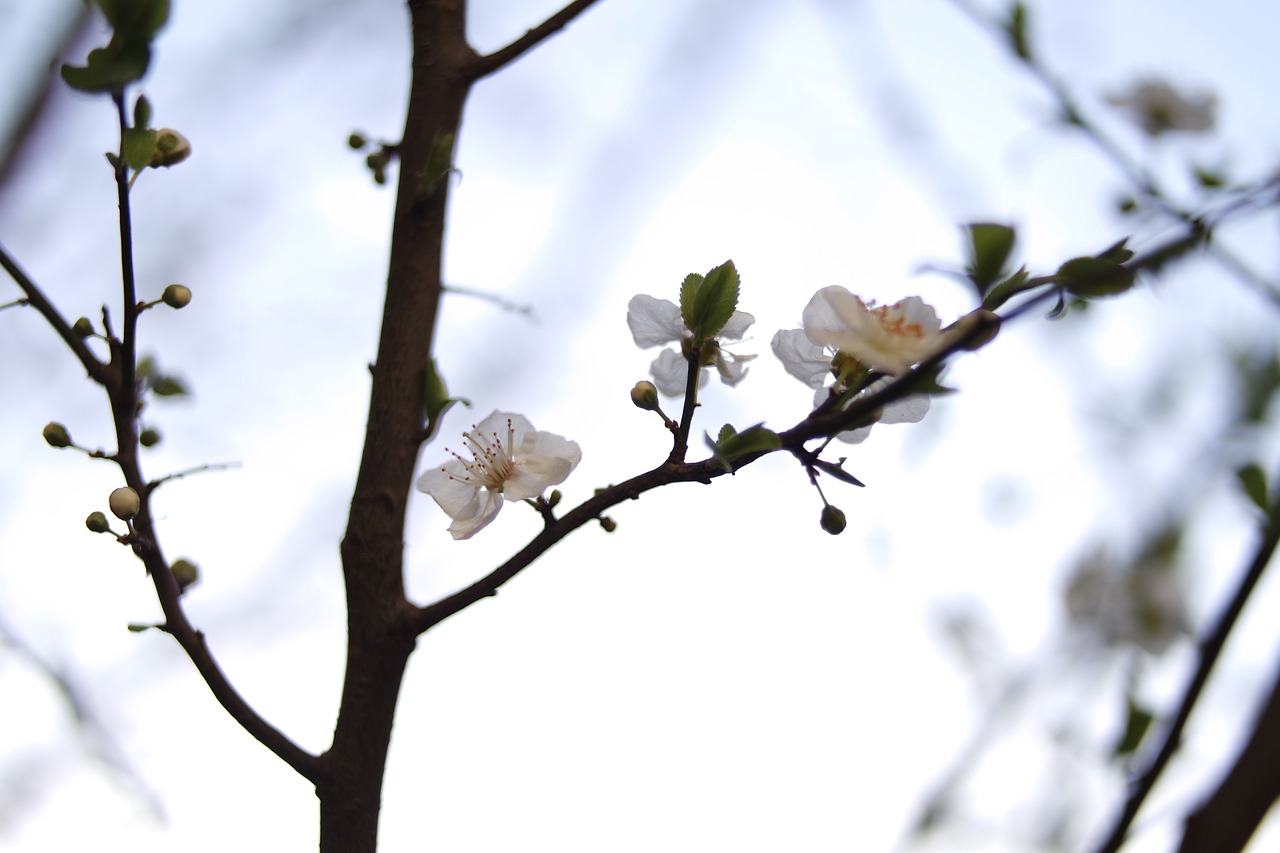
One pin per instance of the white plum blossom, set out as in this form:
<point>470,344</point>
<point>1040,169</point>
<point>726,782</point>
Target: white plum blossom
<point>1159,108</point>
<point>811,363</point>
<point>886,338</point>
<point>510,460</point>
<point>655,322</point>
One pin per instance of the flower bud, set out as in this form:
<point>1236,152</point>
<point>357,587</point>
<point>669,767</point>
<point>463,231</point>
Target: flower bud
<point>608,524</point>
<point>833,520</point>
<point>185,572</point>
<point>554,498</point>
<point>176,296</point>
<point>97,522</point>
<point>645,396</point>
<point>82,327</point>
<point>124,503</point>
<point>983,324</point>
<point>171,148</point>
<point>149,437</point>
<point>356,141</point>
<point>56,434</point>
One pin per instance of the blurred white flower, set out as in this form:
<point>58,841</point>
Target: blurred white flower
<point>655,322</point>
<point>1159,108</point>
<point>812,364</point>
<point>509,460</point>
<point>886,338</point>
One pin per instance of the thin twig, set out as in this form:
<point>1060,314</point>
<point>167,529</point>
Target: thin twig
<point>486,65</point>
<point>1210,650</point>
<point>36,298</point>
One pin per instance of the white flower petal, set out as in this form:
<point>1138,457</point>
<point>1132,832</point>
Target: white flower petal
<point>801,357</point>
<point>451,488</point>
<point>654,321</point>
<point>736,328</point>
<point>544,460</point>
<point>468,526</point>
<point>670,372</point>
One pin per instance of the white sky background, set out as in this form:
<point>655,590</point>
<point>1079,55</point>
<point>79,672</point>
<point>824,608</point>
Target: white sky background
<point>719,673</point>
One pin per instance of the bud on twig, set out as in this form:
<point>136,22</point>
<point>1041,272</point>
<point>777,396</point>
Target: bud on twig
<point>833,520</point>
<point>97,522</point>
<point>171,148</point>
<point>124,503</point>
<point>176,296</point>
<point>645,396</point>
<point>56,434</point>
<point>82,327</point>
<point>186,573</point>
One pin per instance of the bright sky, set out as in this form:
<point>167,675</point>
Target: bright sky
<point>719,674</point>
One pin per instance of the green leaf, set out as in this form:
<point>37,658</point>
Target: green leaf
<point>435,399</point>
<point>1104,275</point>
<point>989,248</point>
<point>110,68</point>
<point>134,24</point>
<point>731,444</point>
<point>688,297</point>
<point>139,146</point>
<point>1017,29</point>
<point>142,112</point>
<point>1006,290</point>
<point>168,386</point>
<point>1137,722</point>
<point>1253,480</point>
<point>836,469</point>
<point>707,302</point>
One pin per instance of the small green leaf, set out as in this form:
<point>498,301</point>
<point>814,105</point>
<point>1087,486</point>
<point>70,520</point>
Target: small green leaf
<point>139,146</point>
<point>1017,29</point>
<point>138,628</point>
<point>713,302</point>
<point>989,248</point>
<point>435,399</point>
<point>1253,480</point>
<point>1090,278</point>
<point>731,444</point>
<point>688,297</point>
<point>110,68</point>
<point>1006,290</point>
<point>168,386</point>
<point>836,469</point>
<point>142,112</point>
<point>1137,722</point>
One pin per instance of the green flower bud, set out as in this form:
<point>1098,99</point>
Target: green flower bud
<point>554,498</point>
<point>149,437</point>
<point>356,141</point>
<point>171,148</point>
<point>83,327</point>
<point>97,522</point>
<point>833,520</point>
<point>124,503</point>
<point>185,572</point>
<point>645,396</point>
<point>56,435</point>
<point>176,296</point>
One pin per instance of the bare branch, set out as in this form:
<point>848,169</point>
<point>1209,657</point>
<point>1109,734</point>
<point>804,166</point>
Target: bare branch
<point>1228,819</point>
<point>37,300</point>
<point>1210,650</point>
<point>486,65</point>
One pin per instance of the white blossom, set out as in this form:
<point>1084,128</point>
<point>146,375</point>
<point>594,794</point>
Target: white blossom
<point>811,363</point>
<point>886,338</point>
<point>655,322</point>
<point>510,460</point>
<point>1158,108</point>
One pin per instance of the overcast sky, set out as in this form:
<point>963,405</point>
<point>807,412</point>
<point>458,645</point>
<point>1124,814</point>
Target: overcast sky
<point>719,673</point>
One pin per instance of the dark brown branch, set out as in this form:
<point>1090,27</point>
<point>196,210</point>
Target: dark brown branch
<point>486,65</point>
<point>1227,820</point>
<point>36,298</point>
<point>1210,650</point>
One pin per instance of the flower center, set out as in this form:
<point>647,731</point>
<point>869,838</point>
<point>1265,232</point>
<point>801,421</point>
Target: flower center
<point>896,324</point>
<point>493,461</point>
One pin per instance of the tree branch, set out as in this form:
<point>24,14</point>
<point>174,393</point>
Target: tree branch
<point>1227,820</point>
<point>36,298</point>
<point>1210,650</point>
<point>486,65</point>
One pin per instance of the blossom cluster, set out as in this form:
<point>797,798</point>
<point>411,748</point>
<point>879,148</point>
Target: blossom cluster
<point>845,349</point>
